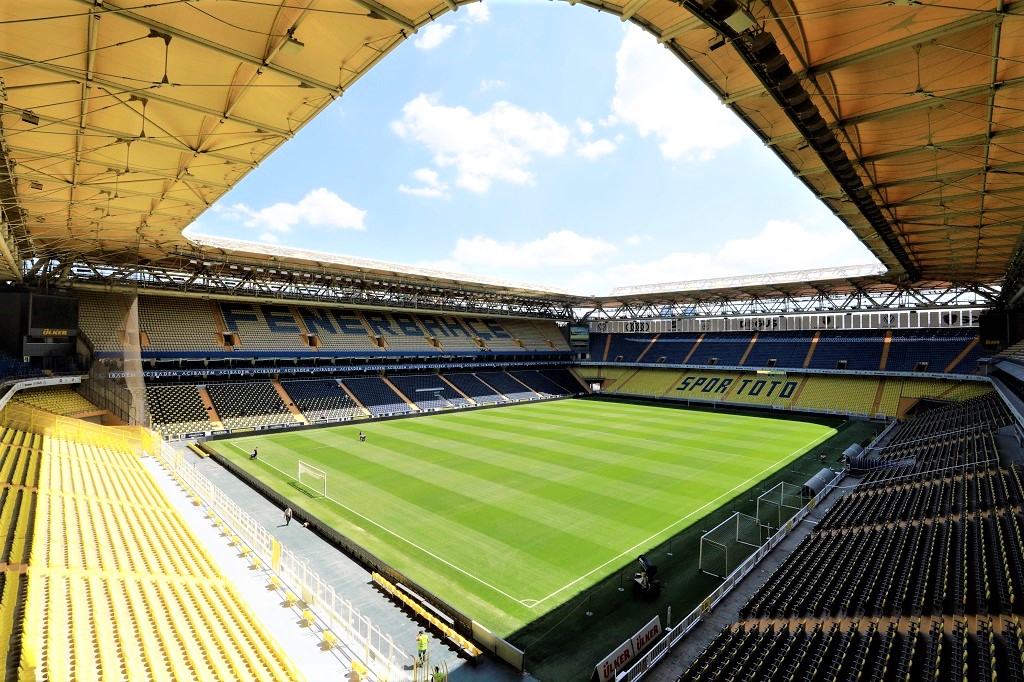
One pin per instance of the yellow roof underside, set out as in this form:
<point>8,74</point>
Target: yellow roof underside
<point>127,153</point>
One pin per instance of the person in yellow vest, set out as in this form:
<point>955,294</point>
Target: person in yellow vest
<point>438,676</point>
<point>421,646</point>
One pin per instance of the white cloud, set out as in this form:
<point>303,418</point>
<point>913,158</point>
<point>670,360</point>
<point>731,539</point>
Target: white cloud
<point>477,13</point>
<point>562,248</point>
<point>491,84</point>
<point>595,149</point>
<point>269,237</point>
<point>433,35</point>
<point>782,245</point>
<point>591,265</point>
<point>430,185</point>
<point>321,207</point>
<point>498,144</point>
<point>585,127</point>
<point>655,94</point>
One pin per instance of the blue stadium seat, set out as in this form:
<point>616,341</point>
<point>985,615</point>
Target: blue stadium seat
<point>787,348</point>
<point>377,396</point>
<point>428,391</point>
<point>541,384</point>
<point>11,368</point>
<point>481,393</point>
<point>320,399</point>
<point>504,384</point>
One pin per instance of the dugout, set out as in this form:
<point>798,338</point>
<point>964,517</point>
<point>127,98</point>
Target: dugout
<point>818,482</point>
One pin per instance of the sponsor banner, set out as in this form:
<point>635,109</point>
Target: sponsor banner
<point>629,650</point>
<point>615,661</point>
<point>780,388</point>
<point>45,331</point>
<point>647,635</point>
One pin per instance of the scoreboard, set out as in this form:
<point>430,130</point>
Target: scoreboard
<point>579,336</point>
<point>579,340</point>
<point>52,316</point>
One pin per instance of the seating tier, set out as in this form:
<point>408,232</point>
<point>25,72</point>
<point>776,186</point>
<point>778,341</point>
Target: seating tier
<point>322,399</point>
<point>428,391</point>
<point>249,404</point>
<point>377,396</point>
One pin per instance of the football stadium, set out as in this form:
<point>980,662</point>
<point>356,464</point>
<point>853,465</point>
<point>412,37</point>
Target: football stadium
<point>230,460</point>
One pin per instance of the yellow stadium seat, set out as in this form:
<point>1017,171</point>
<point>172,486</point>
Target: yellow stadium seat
<point>114,548</point>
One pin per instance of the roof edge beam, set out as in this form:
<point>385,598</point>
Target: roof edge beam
<point>631,8</point>
<point>388,13</point>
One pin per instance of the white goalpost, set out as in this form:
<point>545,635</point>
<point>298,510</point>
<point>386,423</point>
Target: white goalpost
<point>313,478</point>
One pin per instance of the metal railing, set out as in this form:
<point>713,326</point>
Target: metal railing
<point>672,637</point>
<point>372,646</point>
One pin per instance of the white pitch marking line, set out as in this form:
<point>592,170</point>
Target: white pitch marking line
<point>676,522</point>
<point>409,542</point>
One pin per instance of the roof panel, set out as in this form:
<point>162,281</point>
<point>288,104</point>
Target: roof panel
<point>932,125</point>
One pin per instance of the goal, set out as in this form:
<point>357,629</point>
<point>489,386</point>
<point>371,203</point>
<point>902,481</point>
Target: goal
<point>313,478</point>
<point>727,545</point>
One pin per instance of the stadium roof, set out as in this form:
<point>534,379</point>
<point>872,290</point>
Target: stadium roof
<point>858,283</point>
<point>767,280</point>
<point>123,121</point>
<point>365,267</point>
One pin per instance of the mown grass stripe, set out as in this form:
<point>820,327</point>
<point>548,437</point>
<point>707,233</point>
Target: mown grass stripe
<point>491,508</point>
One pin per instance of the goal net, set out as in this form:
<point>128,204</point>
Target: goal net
<point>777,506</point>
<point>728,544</point>
<point>313,479</point>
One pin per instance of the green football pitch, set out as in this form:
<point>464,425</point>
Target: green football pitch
<point>506,513</point>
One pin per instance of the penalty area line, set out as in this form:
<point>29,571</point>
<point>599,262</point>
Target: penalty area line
<point>406,541</point>
<point>674,523</point>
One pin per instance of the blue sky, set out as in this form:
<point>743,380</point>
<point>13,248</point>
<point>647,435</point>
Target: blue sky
<point>542,143</point>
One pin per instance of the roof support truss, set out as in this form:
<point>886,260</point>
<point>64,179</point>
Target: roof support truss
<point>258,280</point>
<point>899,298</point>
